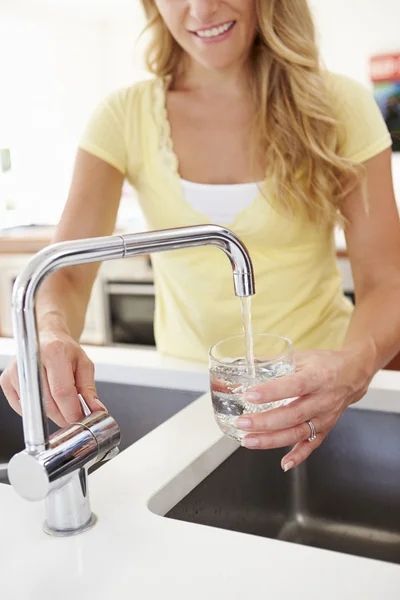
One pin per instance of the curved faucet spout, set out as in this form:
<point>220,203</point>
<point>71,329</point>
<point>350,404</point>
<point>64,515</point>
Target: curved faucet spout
<point>75,252</point>
<point>56,469</point>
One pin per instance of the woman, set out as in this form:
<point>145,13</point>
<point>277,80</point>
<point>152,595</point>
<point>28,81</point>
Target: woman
<point>240,126</point>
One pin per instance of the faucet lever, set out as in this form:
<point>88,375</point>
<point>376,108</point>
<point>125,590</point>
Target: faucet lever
<point>87,412</point>
<point>85,408</point>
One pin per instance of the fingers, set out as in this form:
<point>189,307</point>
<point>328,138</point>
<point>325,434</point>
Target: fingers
<point>301,452</point>
<point>302,383</point>
<point>66,371</point>
<point>52,410</point>
<point>62,388</point>
<point>12,374</point>
<point>316,398</point>
<point>281,438</point>
<point>10,392</point>
<point>85,384</point>
<point>218,385</point>
<point>296,413</point>
<point>10,384</point>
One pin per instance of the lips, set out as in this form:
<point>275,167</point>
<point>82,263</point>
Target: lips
<point>214,31</point>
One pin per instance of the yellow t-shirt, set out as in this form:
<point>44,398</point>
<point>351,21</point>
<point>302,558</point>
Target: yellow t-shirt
<point>298,286</point>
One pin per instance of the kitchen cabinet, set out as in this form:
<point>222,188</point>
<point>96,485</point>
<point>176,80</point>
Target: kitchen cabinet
<point>96,330</point>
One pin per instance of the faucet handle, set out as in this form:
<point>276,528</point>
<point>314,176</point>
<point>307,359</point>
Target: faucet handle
<point>85,408</point>
<point>109,454</point>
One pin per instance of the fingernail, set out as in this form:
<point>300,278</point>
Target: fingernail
<point>250,442</point>
<point>243,423</point>
<point>288,466</point>
<point>253,397</point>
<point>100,403</point>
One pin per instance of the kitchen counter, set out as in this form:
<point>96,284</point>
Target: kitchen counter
<point>28,239</point>
<point>134,553</point>
<point>134,367</point>
<point>25,240</point>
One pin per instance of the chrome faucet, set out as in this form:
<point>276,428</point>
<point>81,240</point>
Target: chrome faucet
<point>55,468</point>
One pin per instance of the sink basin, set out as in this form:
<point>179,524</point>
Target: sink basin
<point>346,497</point>
<point>137,409</point>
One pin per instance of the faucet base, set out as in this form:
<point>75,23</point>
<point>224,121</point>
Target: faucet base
<point>69,532</point>
<point>68,507</point>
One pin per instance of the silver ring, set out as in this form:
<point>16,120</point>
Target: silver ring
<point>313,435</point>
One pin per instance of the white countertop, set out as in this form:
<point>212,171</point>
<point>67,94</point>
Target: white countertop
<point>134,553</point>
<point>134,367</point>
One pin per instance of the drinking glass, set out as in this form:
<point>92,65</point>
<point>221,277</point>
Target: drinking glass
<point>231,376</point>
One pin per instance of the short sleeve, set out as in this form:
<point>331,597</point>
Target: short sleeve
<point>364,131</point>
<point>104,133</point>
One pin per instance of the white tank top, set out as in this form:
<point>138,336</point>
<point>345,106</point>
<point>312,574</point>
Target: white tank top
<point>220,203</point>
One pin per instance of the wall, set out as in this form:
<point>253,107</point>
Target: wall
<point>350,31</point>
<point>59,64</point>
<point>125,52</point>
<point>52,78</point>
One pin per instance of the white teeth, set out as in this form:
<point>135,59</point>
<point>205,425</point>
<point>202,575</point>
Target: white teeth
<point>207,33</point>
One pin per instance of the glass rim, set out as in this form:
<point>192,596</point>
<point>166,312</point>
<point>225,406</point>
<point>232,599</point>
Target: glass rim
<point>255,335</point>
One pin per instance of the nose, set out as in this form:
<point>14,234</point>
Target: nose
<point>204,10</point>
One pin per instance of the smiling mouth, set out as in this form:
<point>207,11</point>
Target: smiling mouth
<point>214,32</point>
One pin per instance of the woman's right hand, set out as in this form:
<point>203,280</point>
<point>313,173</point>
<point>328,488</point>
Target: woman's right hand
<point>66,372</point>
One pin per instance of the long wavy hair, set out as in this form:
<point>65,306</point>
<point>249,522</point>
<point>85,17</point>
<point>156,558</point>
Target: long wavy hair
<point>295,132</point>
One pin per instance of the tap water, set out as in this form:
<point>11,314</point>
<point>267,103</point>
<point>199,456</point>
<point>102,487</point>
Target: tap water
<point>248,334</point>
<point>233,382</point>
<point>241,374</point>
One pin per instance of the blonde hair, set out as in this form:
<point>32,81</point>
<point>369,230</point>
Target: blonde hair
<point>295,133</point>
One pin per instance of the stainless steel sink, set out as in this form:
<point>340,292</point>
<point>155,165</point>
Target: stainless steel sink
<point>137,409</point>
<point>346,497</point>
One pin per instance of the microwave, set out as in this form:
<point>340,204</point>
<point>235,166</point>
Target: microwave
<point>130,310</point>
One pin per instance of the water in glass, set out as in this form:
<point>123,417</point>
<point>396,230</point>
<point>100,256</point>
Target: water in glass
<point>231,381</point>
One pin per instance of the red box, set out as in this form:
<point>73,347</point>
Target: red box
<point>385,67</point>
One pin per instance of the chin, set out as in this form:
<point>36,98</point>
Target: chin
<point>218,63</point>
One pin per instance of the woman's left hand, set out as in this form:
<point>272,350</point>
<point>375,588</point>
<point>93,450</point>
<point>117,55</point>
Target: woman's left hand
<point>324,385</point>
